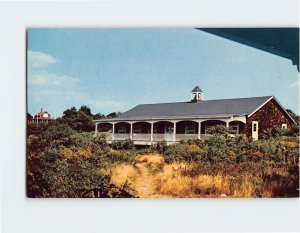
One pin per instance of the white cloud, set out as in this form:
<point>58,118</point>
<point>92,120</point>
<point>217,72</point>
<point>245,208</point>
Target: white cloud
<point>57,92</point>
<point>39,60</point>
<point>103,104</point>
<point>44,78</point>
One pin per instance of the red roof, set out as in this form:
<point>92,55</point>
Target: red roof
<point>40,116</point>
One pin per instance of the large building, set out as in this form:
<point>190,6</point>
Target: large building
<point>148,124</point>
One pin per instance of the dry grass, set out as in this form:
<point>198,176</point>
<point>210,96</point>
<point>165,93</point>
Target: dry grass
<point>172,183</point>
<point>246,189</point>
<point>152,159</point>
<point>123,173</point>
<point>169,181</point>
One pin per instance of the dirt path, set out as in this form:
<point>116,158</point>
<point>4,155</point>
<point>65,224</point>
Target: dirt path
<point>143,184</point>
<point>140,177</point>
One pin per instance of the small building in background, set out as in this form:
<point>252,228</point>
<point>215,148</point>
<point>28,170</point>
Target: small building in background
<point>41,117</point>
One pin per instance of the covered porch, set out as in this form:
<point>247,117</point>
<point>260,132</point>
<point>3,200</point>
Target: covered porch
<point>147,132</point>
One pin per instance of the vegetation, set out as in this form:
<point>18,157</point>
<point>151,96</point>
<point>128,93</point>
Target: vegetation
<point>65,160</point>
<point>64,163</point>
<point>237,167</point>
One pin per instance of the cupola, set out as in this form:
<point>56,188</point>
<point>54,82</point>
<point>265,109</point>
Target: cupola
<point>197,95</point>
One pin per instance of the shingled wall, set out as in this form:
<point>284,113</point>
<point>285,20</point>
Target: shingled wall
<point>270,115</point>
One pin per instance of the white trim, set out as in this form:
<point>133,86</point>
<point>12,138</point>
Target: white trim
<point>239,118</point>
<point>284,126</point>
<point>260,106</point>
<point>154,129</point>
<point>173,119</point>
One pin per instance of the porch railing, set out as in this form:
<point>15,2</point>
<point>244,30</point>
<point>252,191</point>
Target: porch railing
<point>156,137</point>
<point>120,136</point>
<point>141,137</point>
<point>180,137</point>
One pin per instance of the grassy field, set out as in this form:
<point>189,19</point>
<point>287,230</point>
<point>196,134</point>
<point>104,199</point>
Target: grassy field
<point>64,163</point>
<point>151,177</point>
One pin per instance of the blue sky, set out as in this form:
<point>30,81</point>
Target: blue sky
<point>116,69</point>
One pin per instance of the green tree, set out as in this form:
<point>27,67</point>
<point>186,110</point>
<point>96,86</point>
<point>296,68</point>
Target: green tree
<point>98,116</point>
<point>293,115</point>
<point>85,109</point>
<point>113,115</point>
<point>77,120</point>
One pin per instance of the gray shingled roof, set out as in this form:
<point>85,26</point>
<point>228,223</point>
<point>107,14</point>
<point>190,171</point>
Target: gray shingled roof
<point>197,89</point>
<point>202,109</point>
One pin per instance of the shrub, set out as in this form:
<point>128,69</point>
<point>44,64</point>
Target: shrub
<point>81,140</point>
<point>217,149</point>
<point>119,156</point>
<point>37,129</point>
<point>123,145</point>
<point>100,141</point>
<point>218,130</point>
<point>56,175</point>
<point>277,132</point>
<point>184,152</point>
<point>161,146</point>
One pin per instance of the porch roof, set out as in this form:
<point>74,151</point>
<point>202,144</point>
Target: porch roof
<point>207,109</point>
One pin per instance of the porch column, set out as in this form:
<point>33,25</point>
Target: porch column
<point>174,132</point>
<point>113,132</point>
<point>151,132</point>
<point>227,124</point>
<point>131,126</point>
<point>96,129</point>
<point>199,129</point>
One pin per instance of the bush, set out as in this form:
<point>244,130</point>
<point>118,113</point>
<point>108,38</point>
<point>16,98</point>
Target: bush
<point>160,146</point>
<point>217,149</point>
<point>54,175</point>
<point>277,132</point>
<point>184,152</point>
<point>123,145</point>
<point>36,129</point>
<point>119,156</point>
<point>218,130</point>
<point>100,141</point>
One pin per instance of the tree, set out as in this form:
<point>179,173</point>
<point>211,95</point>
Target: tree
<point>293,115</point>
<point>85,109</point>
<point>77,120</point>
<point>113,115</point>
<point>98,116</point>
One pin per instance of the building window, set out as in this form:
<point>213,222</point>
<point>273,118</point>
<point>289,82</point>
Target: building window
<point>137,129</point>
<point>234,129</point>
<point>254,127</point>
<point>284,126</point>
<point>122,129</point>
<point>190,129</point>
<point>169,127</point>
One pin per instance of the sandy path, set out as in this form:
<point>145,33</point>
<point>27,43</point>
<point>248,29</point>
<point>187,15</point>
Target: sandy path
<point>143,185</point>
